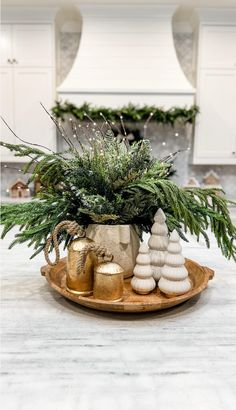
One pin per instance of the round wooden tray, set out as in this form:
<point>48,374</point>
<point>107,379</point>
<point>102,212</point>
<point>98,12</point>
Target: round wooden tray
<point>199,275</point>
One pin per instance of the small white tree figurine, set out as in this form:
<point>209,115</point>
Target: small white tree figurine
<point>142,281</point>
<point>174,279</point>
<point>158,243</point>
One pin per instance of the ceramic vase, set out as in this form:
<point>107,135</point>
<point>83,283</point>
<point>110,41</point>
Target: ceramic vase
<point>121,240</point>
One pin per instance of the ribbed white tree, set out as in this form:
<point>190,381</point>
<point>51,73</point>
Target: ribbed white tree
<point>174,279</point>
<point>142,281</point>
<point>157,243</point>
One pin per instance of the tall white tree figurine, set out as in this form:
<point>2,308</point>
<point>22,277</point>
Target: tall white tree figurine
<point>157,243</point>
<point>142,281</point>
<point>174,279</point>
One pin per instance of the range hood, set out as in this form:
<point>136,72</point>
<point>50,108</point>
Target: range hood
<point>127,54</point>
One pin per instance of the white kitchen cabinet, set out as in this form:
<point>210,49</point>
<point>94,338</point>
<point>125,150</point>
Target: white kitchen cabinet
<point>7,103</point>
<point>218,47</point>
<point>215,138</point>
<point>27,78</point>
<point>215,130</point>
<point>35,85</point>
<point>32,45</point>
<point>6,45</point>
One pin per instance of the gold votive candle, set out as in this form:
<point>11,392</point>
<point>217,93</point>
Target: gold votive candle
<point>108,282</point>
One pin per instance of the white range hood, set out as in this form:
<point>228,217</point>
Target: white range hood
<point>127,54</point>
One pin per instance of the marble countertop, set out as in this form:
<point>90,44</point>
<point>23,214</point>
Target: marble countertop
<point>59,356</point>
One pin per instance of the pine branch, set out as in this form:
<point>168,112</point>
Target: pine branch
<point>111,183</point>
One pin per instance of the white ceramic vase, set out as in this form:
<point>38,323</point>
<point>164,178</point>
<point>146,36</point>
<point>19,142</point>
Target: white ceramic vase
<point>121,240</point>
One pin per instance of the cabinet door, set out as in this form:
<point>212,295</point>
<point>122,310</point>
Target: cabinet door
<point>6,45</point>
<point>215,133</point>
<point>218,46</point>
<point>7,112</point>
<point>32,45</point>
<point>33,86</point>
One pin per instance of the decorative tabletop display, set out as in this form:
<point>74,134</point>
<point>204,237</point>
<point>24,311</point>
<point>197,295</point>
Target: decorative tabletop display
<point>157,243</point>
<point>111,190</point>
<point>142,281</point>
<point>174,278</point>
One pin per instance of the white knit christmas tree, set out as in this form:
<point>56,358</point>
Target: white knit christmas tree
<point>142,281</point>
<point>158,243</point>
<point>174,279</point>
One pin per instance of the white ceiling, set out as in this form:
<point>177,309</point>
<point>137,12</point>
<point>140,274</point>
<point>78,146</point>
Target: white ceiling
<point>185,3</point>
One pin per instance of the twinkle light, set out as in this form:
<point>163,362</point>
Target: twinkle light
<point>122,124</point>
<point>176,134</point>
<point>163,143</point>
<point>146,123</point>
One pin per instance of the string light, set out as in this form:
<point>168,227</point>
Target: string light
<point>146,123</point>
<point>122,124</point>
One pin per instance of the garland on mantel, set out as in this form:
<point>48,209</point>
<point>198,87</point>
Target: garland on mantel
<point>129,112</point>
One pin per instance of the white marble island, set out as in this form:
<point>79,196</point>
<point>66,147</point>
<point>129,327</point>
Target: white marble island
<point>60,356</point>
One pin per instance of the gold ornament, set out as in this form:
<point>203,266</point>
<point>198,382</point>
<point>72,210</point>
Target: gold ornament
<point>108,281</point>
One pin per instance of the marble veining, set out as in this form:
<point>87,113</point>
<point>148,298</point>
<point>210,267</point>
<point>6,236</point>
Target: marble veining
<point>59,356</point>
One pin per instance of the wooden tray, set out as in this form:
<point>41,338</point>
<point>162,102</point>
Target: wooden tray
<point>199,275</point>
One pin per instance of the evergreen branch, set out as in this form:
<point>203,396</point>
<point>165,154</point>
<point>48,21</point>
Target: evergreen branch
<point>129,113</point>
<point>113,184</point>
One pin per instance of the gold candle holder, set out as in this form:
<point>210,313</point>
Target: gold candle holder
<point>78,281</point>
<point>108,282</point>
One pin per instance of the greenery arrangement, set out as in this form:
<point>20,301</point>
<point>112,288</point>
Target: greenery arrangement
<point>109,182</point>
<point>130,113</point>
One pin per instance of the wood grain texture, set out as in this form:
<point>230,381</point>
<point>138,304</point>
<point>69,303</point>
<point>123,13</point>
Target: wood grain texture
<point>57,355</point>
<point>132,302</point>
